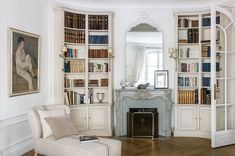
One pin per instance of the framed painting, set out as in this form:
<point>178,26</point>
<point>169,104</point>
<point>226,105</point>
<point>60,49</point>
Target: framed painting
<point>161,79</point>
<point>24,54</point>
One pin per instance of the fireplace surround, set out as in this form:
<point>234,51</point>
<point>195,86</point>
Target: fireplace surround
<point>147,98</point>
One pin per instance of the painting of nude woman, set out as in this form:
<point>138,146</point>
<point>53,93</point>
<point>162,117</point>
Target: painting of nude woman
<point>24,62</point>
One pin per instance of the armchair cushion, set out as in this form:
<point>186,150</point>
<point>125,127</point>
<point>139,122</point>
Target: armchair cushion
<point>46,114</point>
<point>61,126</point>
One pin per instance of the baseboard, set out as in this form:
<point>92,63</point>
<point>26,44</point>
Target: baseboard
<point>17,144</point>
<point>19,148</point>
<point>200,134</point>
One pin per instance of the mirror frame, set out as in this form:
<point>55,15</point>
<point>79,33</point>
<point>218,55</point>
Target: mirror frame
<point>144,18</point>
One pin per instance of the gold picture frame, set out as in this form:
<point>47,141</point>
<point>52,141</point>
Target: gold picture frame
<point>24,62</point>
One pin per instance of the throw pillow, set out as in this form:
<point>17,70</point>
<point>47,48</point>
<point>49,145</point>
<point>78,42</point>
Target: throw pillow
<point>46,114</point>
<point>61,126</point>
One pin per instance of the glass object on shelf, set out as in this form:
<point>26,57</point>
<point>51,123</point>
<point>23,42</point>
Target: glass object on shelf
<point>100,97</point>
<point>124,83</point>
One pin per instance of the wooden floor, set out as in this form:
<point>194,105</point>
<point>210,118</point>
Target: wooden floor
<point>173,146</point>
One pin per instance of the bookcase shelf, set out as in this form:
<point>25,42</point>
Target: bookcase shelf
<point>193,76</point>
<point>74,29</point>
<point>77,44</point>
<point>87,37</point>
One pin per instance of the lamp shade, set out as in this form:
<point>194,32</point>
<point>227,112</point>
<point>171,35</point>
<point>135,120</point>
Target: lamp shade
<point>63,48</point>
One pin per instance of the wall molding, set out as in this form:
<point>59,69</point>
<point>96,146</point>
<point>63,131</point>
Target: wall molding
<point>13,121</point>
<point>19,147</point>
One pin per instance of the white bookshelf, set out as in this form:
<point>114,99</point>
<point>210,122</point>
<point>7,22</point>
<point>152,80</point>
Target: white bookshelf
<point>192,108</point>
<point>76,29</point>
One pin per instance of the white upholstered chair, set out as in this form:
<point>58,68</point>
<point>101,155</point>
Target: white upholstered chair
<point>70,145</point>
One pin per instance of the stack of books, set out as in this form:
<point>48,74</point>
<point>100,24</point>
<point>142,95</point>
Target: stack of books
<point>91,138</point>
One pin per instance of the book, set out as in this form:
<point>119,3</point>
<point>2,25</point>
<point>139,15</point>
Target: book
<point>90,138</point>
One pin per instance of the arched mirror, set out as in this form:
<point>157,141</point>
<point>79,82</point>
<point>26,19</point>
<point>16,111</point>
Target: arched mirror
<point>144,54</point>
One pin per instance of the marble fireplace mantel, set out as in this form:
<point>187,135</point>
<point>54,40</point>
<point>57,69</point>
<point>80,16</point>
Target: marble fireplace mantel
<point>142,98</point>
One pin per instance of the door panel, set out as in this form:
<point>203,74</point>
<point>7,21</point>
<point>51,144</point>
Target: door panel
<point>205,119</point>
<point>79,117</point>
<point>187,118</point>
<point>220,121</point>
<point>223,99</point>
<point>98,117</point>
<point>230,116</point>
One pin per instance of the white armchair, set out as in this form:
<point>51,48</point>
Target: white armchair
<point>70,145</point>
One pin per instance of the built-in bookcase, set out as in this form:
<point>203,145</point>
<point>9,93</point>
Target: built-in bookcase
<point>85,39</point>
<point>193,73</point>
<point>87,71</point>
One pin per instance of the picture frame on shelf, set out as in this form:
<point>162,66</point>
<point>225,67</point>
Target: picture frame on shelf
<point>24,55</point>
<point>161,79</point>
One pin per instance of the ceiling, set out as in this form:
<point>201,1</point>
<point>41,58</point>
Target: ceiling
<point>138,3</point>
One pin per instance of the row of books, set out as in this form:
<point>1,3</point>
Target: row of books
<point>71,53</point>
<point>205,96</point>
<point>206,51</point>
<point>98,22</point>
<point>185,22</point>
<point>206,81</point>
<point>206,67</point>
<point>98,39</point>
<point>74,66</point>
<point>188,36</point>
<point>188,96</point>
<point>98,53</point>
<point>73,82</point>
<point>188,53</point>
<point>93,67</point>
<point>95,83</point>
<point>74,36</point>
<point>206,21</point>
<point>189,67</point>
<point>73,20</point>
<point>187,81</point>
<point>73,98</point>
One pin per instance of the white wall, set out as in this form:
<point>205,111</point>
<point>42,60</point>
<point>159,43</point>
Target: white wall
<point>30,16</point>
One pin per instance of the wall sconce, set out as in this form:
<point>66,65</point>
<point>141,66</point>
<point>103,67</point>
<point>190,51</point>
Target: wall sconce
<point>111,56</point>
<point>63,50</point>
<point>173,52</point>
<point>110,52</point>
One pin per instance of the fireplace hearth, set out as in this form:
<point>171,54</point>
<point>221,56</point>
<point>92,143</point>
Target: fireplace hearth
<point>142,122</point>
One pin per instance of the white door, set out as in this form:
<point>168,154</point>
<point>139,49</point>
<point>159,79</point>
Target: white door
<point>79,117</point>
<point>187,117</point>
<point>98,117</point>
<point>222,78</point>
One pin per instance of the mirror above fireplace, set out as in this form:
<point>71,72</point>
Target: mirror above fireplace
<point>144,54</point>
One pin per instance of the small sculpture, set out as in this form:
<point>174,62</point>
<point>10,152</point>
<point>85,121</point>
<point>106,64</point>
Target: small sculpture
<point>143,86</point>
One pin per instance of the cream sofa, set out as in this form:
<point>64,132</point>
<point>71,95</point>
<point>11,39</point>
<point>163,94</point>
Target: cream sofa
<point>70,145</point>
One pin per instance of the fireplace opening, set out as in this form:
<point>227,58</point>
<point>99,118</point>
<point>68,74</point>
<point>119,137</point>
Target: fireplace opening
<point>142,122</point>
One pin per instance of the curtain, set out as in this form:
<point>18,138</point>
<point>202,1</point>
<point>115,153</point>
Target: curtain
<point>139,63</point>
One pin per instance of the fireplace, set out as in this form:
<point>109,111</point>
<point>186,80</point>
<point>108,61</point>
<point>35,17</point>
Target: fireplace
<point>142,122</point>
<point>148,98</point>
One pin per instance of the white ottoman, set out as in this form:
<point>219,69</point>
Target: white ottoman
<point>71,146</point>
